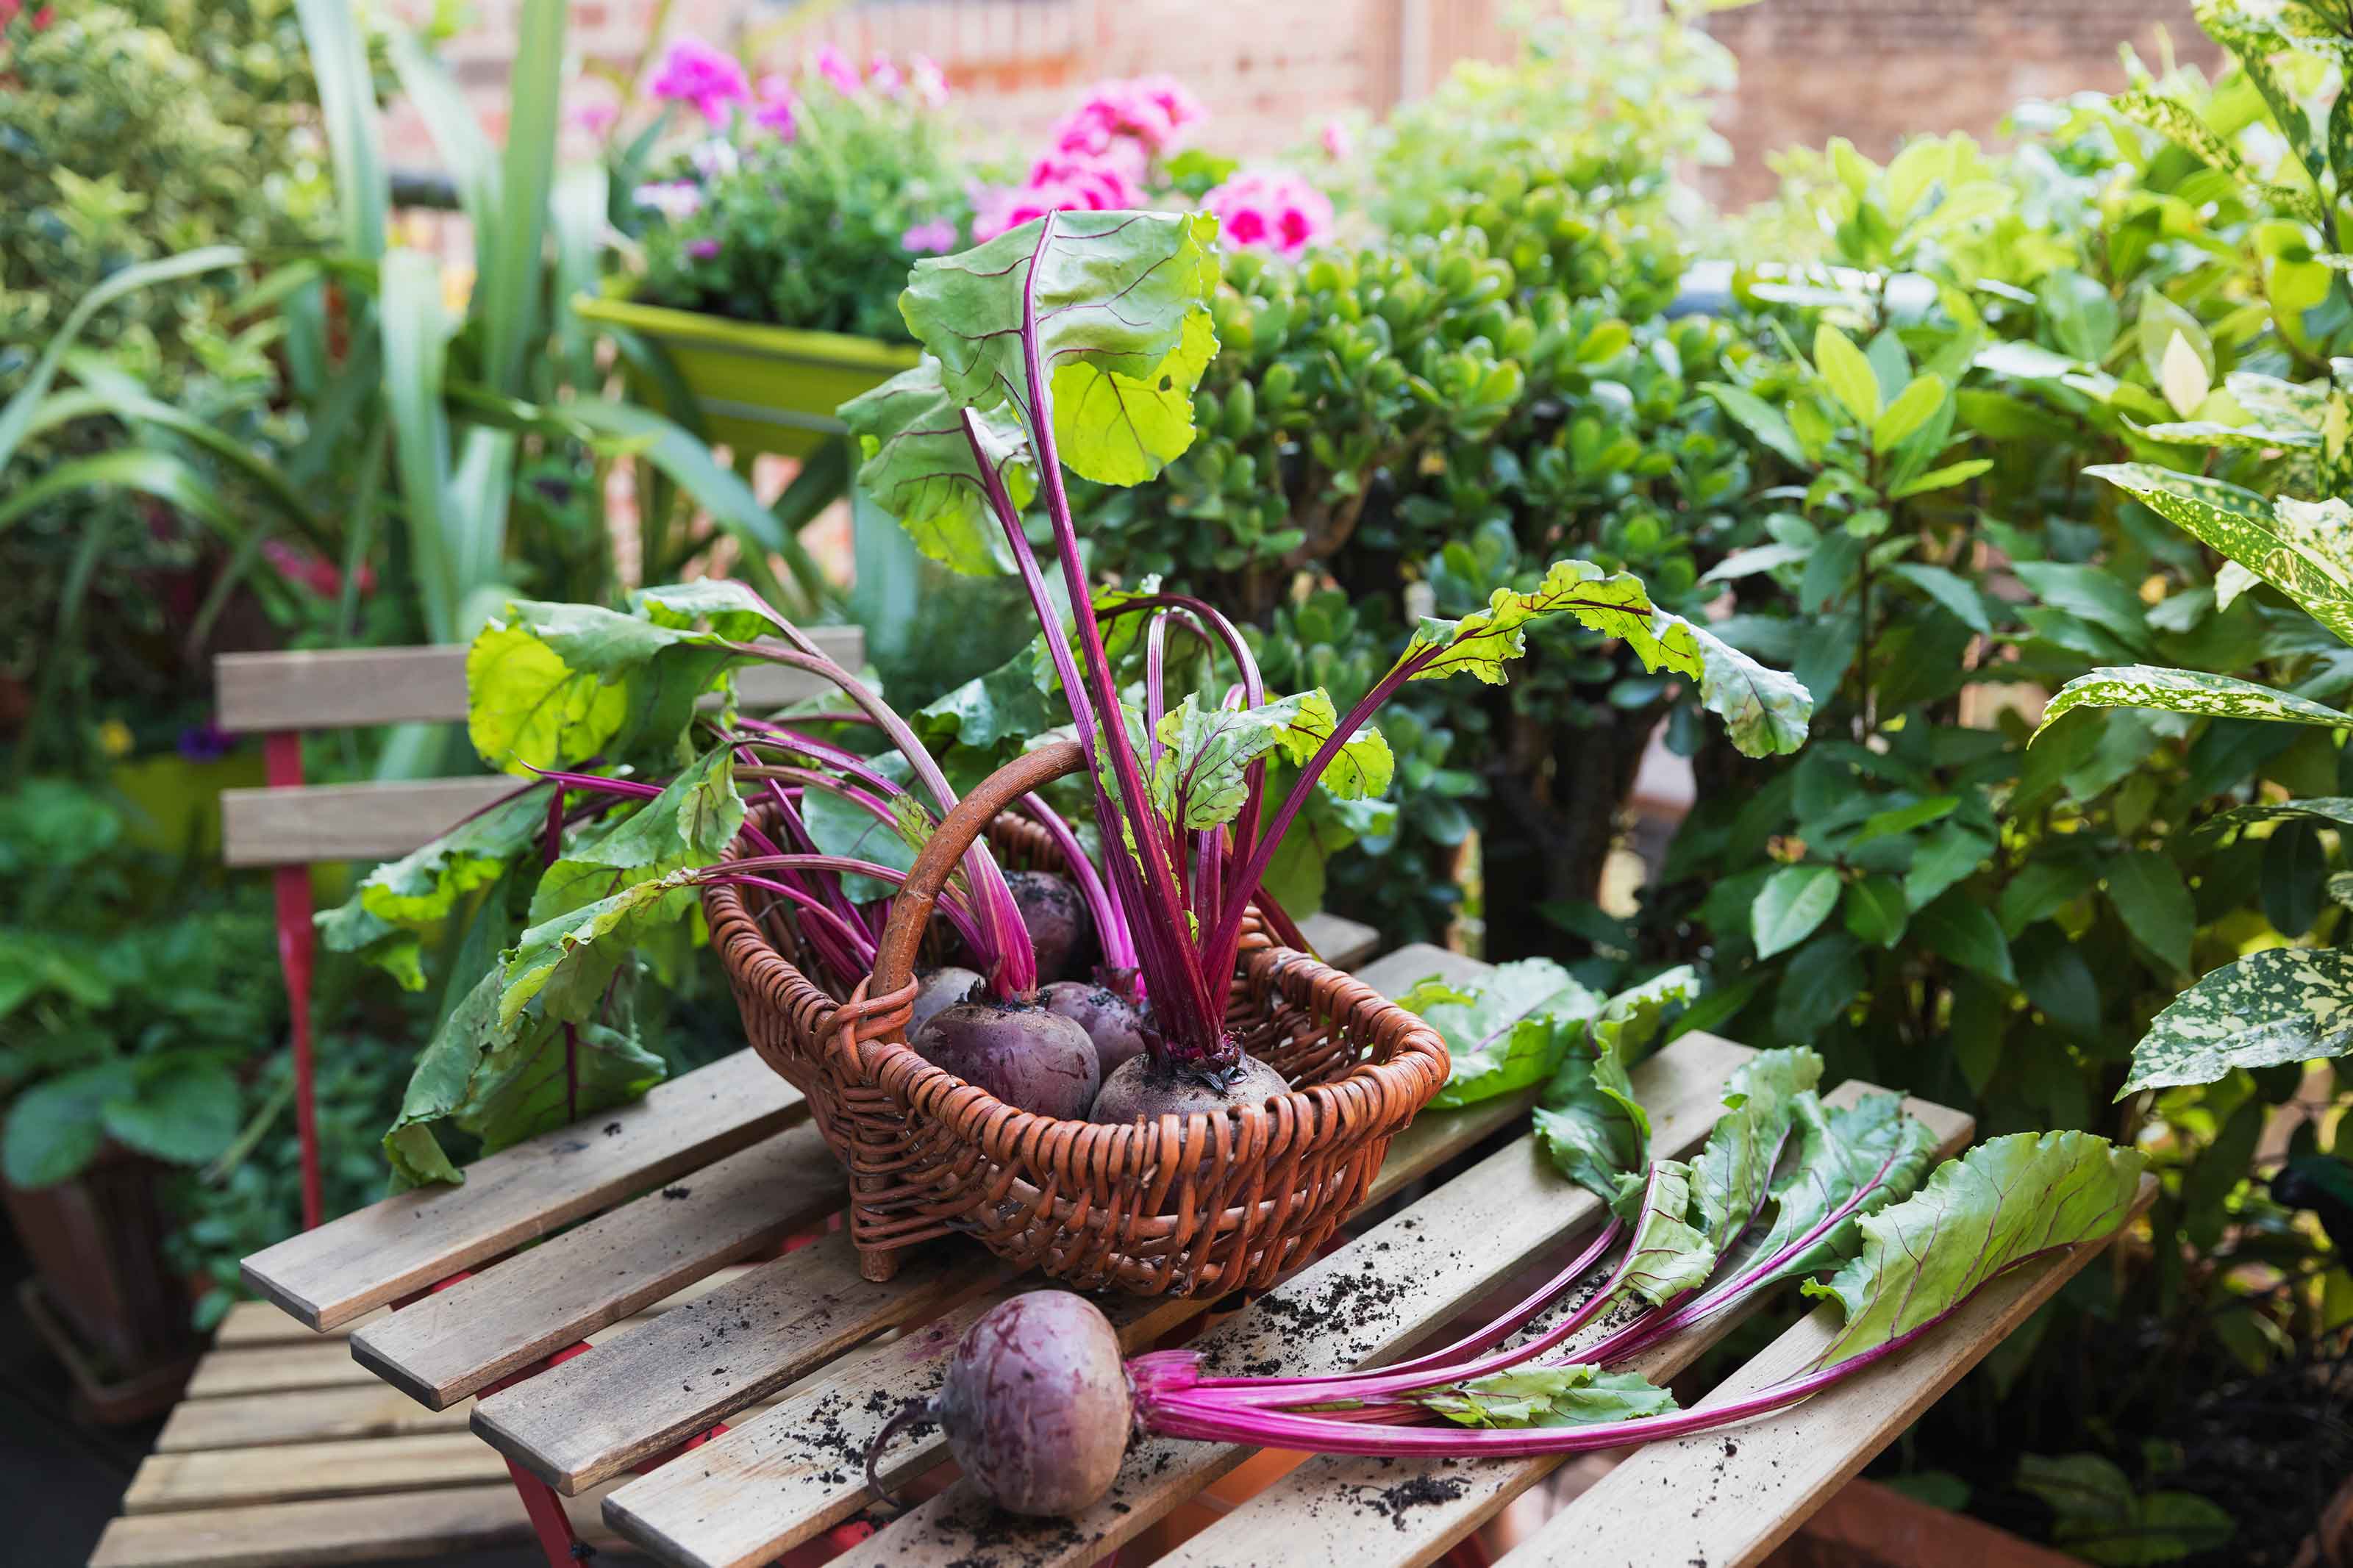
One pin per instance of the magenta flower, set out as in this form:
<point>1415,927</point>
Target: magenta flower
<point>1270,210</point>
<point>1104,184</point>
<point>595,119</point>
<point>835,66</point>
<point>695,72</point>
<point>702,249</point>
<point>1153,112</point>
<point>932,238</point>
<point>778,109</point>
<point>883,77</point>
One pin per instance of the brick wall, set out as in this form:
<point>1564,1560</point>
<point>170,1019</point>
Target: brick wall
<point>1872,70</point>
<point>1272,70</point>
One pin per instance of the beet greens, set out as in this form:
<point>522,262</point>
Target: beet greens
<point>1078,340</point>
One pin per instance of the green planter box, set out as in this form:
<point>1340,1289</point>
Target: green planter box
<point>760,389</point>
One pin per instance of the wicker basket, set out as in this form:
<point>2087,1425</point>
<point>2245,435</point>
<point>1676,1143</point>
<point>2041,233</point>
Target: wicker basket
<point>1197,1204</point>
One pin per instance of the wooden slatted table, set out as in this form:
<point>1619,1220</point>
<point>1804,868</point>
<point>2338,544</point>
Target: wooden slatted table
<point>1459,1210</point>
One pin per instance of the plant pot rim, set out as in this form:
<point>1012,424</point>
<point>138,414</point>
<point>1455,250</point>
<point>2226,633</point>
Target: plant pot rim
<point>756,339</point>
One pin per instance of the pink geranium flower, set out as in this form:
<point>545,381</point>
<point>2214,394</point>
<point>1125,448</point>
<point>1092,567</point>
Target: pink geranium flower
<point>1270,210</point>
<point>931,238</point>
<point>695,72</point>
<point>883,76</point>
<point>778,107</point>
<point>1153,112</point>
<point>834,66</point>
<point>1338,143</point>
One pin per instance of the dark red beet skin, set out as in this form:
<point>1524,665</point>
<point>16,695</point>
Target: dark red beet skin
<point>1139,1091</point>
<point>1109,1018</point>
<point>1061,931</point>
<point>943,987</point>
<point>1022,1053</point>
<point>1036,1404</point>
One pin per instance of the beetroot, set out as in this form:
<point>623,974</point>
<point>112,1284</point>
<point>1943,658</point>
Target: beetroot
<point>1020,1052</point>
<point>942,987</point>
<point>1035,1405</point>
<point>1144,1090</point>
<point>1110,1019</point>
<point>1061,931</point>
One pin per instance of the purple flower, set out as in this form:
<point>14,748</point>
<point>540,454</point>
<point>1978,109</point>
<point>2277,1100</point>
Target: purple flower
<point>695,72</point>
<point>205,743</point>
<point>929,238</point>
<point>883,76</point>
<point>702,249</point>
<point>777,108</point>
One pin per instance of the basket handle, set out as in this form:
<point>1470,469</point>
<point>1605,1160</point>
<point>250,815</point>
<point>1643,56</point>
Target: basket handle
<point>911,912</point>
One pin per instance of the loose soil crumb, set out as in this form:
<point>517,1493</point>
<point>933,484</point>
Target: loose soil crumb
<point>676,1193</point>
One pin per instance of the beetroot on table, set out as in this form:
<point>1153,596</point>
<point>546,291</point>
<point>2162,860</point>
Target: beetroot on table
<point>1025,1056</point>
<point>1062,932</point>
<point>1145,1089</point>
<point>1110,1019</point>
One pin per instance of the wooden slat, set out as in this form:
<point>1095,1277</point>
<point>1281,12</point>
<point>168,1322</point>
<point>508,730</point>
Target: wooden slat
<point>323,1358</point>
<point>643,1394</point>
<point>251,1325</point>
<point>237,1478</point>
<point>1354,1307</point>
<point>367,821</point>
<point>335,1530</point>
<point>458,1342</point>
<point>311,1415</point>
<point>1338,941</point>
<point>276,1369</point>
<point>397,1248</point>
<point>774,1482</point>
<point>1363,1516</point>
<point>1703,1493</point>
<point>346,688</point>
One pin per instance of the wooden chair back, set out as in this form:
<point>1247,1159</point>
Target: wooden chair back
<point>290,825</point>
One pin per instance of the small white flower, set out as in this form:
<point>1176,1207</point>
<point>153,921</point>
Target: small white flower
<point>676,200</point>
<point>714,158</point>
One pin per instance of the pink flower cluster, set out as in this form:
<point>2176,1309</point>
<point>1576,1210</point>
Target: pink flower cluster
<point>1270,209</point>
<point>695,72</point>
<point>1100,154</point>
<point>1151,112</point>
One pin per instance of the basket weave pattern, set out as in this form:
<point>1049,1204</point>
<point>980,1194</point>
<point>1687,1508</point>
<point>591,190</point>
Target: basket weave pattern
<point>1197,1205</point>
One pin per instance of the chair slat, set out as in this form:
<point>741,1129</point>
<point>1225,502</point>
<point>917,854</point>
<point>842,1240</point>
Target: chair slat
<point>390,1249</point>
<point>251,1325</point>
<point>346,688</point>
<point>648,1390</point>
<point>1799,1458</point>
<point>1362,1514</point>
<point>274,1369</point>
<point>311,1416</point>
<point>1341,943</point>
<point>1352,1308</point>
<point>369,822</point>
<point>458,1342</point>
<point>330,1531</point>
<point>237,1478</point>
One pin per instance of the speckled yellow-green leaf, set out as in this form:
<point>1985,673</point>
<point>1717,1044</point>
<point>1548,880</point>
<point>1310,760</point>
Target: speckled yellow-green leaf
<point>2281,1005</point>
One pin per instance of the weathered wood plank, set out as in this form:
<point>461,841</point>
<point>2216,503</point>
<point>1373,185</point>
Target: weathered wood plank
<point>1344,1512</point>
<point>345,687</point>
<point>646,1392</point>
<point>367,822</point>
<point>347,1267</point>
<point>460,1341</point>
<point>276,1369</point>
<point>1763,1478</point>
<point>777,1481</point>
<point>330,1530</point>
<point>237,1478</point>
<point>1338,941</point>
<point>251,1325</point>
<point>311,1415</point>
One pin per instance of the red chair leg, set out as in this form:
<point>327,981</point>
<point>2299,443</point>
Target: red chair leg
<point>282,758</point>
<point>548,1519</point>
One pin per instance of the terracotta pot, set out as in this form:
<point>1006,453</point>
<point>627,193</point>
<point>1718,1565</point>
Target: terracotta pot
<point>96,1243</point>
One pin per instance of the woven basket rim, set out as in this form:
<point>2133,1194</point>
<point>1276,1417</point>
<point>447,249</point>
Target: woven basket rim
<point>1417,1050</point>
